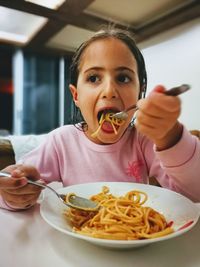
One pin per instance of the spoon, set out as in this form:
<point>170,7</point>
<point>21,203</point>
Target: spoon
<point>71,200</point>
<point>123,115</point>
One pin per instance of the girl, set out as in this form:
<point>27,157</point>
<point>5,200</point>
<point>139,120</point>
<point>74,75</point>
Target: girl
<point>108,75</point>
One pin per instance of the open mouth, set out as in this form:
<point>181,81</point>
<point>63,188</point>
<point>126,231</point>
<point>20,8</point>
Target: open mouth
<point>107,123</point>
<point>106,111</point>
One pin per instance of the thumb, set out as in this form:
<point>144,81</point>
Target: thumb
<point>159,89</point>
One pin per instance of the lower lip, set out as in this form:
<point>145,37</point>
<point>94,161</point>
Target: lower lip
<point>107,128</point>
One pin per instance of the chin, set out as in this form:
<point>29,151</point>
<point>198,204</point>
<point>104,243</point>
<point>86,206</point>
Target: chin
<point>109,138</point>
<point>106,138</point>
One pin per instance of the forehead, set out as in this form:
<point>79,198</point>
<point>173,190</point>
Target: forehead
<point>110,51</point>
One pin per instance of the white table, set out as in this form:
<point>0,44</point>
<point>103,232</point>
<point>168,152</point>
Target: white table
<point>26,240</point>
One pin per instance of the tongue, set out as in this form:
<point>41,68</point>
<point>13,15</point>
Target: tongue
<point>107,127</point>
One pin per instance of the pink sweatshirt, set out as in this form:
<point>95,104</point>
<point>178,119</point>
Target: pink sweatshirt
<point>67,155</point>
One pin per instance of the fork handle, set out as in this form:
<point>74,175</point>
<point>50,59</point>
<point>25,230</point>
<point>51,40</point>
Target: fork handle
<point>172,92</point>
<point>131,107</point>
<point>177,90</point>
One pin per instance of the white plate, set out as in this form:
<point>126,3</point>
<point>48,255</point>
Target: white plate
<point>173,206</point>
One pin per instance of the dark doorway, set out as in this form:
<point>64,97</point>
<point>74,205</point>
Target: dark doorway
<point>6,92</point>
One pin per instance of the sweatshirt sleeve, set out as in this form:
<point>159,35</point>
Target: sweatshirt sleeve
<point>3,205</point>
<point>45,159</point>
<point>181,163</point>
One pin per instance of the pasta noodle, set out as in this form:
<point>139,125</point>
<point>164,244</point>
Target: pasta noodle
<point>115,122</point>
<point>119,218</point>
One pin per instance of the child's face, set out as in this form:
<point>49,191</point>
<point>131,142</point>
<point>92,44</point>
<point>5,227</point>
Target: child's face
<point>108,79</point>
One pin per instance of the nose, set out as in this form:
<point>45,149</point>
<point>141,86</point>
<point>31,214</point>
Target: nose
<point>109,90</point>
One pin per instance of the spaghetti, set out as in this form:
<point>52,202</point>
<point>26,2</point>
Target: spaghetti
<point>119,218</point>
<point>115,122</point>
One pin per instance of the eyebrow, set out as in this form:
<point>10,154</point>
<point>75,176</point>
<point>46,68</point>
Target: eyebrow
<point>120,68</point>
<point>93,68</point>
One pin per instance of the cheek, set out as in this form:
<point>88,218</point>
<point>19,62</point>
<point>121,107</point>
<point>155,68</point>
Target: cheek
<point>84,99</point>
<point>130,96</point>
<point>86,96</point>
<point>86,104</point>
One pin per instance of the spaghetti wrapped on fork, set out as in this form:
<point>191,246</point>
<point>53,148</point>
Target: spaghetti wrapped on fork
<point>108,117</point>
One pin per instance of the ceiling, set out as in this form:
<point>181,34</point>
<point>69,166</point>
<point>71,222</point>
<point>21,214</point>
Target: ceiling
<point>59,26</point>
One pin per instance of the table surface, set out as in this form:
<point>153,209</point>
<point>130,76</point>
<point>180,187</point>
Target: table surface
<point>27,240</point>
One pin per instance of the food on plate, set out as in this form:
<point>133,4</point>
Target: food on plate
<point>119,218</point>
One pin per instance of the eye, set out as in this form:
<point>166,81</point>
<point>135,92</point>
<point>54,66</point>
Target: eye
<point>93,78</point>
<point>123,78</point>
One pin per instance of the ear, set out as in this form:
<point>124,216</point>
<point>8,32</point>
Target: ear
<point>74,93</point>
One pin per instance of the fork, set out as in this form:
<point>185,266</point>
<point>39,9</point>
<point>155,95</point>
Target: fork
<point>123,115</point>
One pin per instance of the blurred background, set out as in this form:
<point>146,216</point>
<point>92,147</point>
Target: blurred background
<point>38,39</point>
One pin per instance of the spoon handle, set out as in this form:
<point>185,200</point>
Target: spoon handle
<point>43,186</point>
<point>6,174</point>
<point>38,184</point>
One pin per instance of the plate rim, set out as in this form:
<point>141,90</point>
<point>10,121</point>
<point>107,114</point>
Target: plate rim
<point>112,242</point>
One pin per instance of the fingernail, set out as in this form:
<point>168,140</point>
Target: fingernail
<point>16,172</point>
